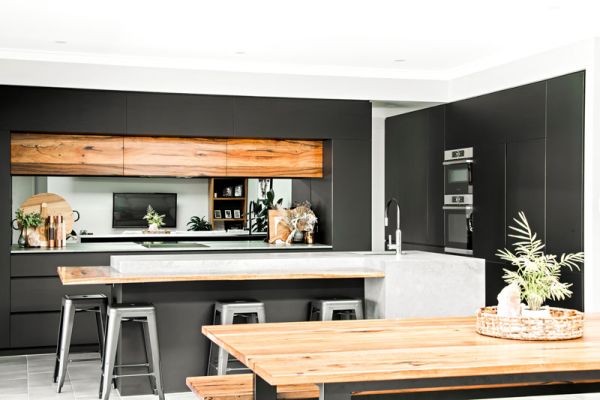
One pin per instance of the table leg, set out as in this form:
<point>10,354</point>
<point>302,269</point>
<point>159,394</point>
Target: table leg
<point>262,389</point>
<point>333,391</point>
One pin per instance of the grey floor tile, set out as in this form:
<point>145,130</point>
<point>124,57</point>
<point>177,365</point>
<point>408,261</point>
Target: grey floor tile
<point>13,386</point>
<point>84,370</point>
<point>13,368</point>
<point>15,397</point>
<point>40,363</point>
<point>84,388</point>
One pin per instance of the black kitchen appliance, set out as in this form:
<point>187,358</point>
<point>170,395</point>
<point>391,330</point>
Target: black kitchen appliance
<point>129,209</point>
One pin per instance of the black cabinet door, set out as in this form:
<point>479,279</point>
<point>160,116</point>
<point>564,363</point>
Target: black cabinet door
<point>493,281</point>
<point>167,114</point>
<point>414,174</point>
<point>505,116</point>
<point>61,110</point>
<point>564,155</point>
<point>525,184</point>
<point>406,163</point>
<point>5,238</point>
<point>489,194</point>
<point>264,117</point>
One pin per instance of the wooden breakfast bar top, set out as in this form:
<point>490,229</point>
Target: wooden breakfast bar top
<point>109,275</point>
<point>349,356</point>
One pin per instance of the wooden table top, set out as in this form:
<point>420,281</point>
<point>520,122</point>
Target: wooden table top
<point>375,350</point>
<point>108,275</point>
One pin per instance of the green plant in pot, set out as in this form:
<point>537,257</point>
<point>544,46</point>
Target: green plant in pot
<point>198,224</point>
<point>154,219</point>
<point>536,274</point>
<point>261,209</point>
<point>27,221</point>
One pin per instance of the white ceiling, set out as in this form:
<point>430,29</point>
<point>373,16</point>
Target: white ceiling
<point>438,39</point>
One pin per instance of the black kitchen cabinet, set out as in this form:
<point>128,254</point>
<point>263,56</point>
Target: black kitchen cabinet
<point>489,195</point>
<point>564,169</point>
<point>526,184</point>
<point>493,281</point>
<point>500,117</point>
<point>167,114</point>
<point>5,238</point>
<point>61,110</point>
<point>414,146</point>
<point>302,118</point>
<point>41,329</point>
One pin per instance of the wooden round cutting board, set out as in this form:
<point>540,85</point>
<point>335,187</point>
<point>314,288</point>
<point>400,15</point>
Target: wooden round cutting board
<point>56,205</point>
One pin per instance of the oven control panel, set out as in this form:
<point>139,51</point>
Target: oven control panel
<point>458,199</point>
<point>458,154</point>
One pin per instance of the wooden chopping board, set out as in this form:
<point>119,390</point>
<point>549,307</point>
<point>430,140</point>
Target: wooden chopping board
<point>55,205</point>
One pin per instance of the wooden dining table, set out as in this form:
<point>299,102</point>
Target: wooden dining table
<point>345,357</point>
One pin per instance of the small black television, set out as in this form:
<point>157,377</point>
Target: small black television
<point>129,209</point>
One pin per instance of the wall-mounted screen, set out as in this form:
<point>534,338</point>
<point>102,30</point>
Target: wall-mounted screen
<point>129,209</point>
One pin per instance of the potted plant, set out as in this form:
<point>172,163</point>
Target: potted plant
<point>261,209</point>
<point>537,274</point>
<point>198,224</point>
<point>154,219</point>
<point>26,221</point>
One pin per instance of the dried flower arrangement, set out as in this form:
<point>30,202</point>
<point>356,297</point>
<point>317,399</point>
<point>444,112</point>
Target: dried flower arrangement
<point>301,218</point>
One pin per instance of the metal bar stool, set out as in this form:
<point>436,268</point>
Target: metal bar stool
<point>330,309</point>
<point>226,313</point>
<point>145,314</point>
<point>72,304</point>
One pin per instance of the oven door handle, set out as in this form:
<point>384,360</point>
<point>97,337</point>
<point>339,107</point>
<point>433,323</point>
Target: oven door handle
<point>454,162</point>
<point>457,207</point>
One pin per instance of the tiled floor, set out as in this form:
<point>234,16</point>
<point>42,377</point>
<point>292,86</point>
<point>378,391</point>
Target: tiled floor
<point>30,378</point>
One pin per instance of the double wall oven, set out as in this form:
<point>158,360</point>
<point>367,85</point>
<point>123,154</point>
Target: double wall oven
<point>458,201</point>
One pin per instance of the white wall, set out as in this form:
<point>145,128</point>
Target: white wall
<point>92,197</point>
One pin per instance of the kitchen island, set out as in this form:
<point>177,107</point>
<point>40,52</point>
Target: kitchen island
<point>184,288</point>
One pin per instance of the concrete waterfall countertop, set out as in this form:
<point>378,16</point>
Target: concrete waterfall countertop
<point>114,247</point>
<point>414,284</point>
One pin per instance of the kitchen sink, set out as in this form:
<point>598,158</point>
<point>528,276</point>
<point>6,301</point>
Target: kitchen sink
<point>173,245</point>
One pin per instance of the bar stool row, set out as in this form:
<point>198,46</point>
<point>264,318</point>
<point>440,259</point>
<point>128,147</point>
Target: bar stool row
<point>109,319</point>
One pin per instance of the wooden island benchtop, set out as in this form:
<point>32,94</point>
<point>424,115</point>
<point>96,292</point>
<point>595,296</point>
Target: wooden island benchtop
<point>108,275</point>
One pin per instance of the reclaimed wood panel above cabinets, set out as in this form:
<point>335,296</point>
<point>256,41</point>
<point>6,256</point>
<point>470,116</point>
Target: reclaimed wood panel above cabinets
<point>104,155</point>
<point>59,154</point>
<point>275,158</point>
<point>167,156</point>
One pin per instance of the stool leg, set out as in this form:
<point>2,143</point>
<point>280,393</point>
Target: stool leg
<point>223,358</point>
<point>260,316</point>
<point>110,354</point>
<point>359,312</point>
<point>326,313</point>
<point>155,355</point>
<point>65,342</point>
<point>100,325</point>
<point>147,349</point>
<point>211,347</point>
<point>60,323</point>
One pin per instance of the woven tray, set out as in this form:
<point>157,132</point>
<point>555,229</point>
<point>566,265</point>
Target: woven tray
<point>563,324</point>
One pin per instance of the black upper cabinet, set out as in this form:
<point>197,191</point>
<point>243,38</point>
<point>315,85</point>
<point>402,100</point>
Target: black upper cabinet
<point>564,218</point>
<point>414,145</point>
<point>489,197</point>
<point>525,184</point>
<point>61,110</point>
<point>302,118</point>
<point>167,114</point>
<point>509,115</point>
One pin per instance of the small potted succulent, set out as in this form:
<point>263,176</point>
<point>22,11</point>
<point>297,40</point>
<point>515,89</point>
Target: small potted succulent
<point>537,275</point>
<point>154,219</point>
<point>26,222</point>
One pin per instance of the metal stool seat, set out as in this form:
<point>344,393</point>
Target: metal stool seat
<point>227,313</point>
<point>146,314</point>
<point>330,309</point>
<point>72,304</point>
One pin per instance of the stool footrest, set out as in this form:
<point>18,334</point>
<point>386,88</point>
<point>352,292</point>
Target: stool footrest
<point>132,375</point>
<point>132,365</point>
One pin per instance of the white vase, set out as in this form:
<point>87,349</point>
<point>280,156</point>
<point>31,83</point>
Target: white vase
<point>152,227</point>
<point>543,312</point>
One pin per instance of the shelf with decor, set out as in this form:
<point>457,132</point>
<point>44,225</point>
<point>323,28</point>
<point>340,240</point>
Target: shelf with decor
<point>228,203</point>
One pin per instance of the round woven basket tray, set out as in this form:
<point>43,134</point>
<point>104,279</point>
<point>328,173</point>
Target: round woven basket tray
<point>561,325</point>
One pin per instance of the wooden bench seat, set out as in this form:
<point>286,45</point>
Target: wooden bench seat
<point>239,387</point>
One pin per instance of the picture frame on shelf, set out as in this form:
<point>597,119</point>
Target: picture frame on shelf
<point>228,214</point>
<point>237,214</point>
<point>218,214</point>
<point>238,191</point>
<point>228,191</point>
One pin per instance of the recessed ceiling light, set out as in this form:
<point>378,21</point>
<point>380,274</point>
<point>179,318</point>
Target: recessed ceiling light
<point>399,60</point>
<point>60,41</point>
<point>240,53</point>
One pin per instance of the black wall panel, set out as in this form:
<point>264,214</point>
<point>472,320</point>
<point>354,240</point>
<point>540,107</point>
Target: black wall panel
<point>302,118</point>
<point>564,149</point>
<point>489,192</point>
<point>61,110</point>
<point>5,237</point>
<point>179,114</point>
<point>512,114</point>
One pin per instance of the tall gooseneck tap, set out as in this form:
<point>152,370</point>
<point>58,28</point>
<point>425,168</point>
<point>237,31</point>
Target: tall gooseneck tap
<point>398,245</point>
